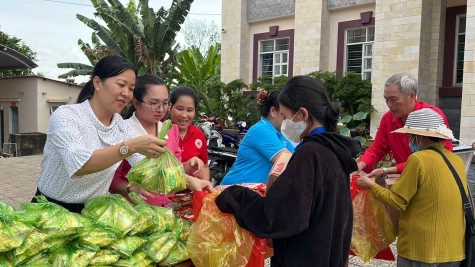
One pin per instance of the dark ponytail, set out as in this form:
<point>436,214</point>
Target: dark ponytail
<point>306,92</point>
<point>142,84</point>
<point>107,67</point>
<point>266,101</point>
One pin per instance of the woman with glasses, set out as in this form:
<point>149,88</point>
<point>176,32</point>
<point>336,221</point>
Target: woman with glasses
<point>150,105</point>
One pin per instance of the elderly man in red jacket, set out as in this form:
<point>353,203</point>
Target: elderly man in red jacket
<point>400,92</point>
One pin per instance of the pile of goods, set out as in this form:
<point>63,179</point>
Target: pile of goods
<point>109,232</point>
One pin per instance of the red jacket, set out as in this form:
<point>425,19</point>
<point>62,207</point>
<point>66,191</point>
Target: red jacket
<point>396,143</point>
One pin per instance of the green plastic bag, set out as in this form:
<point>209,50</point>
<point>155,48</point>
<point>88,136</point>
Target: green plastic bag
<point>5,261</point>
<point>39,260</point>
<point>12,231</point>
<point>105,257</point>
<point>159,246</point>
<point>56,221</point>
<point>128,245</point>
<point>74,255</point>
<point>94,233</point>
<point>139,259</point>
<point>33,243</point>
<point>178,254</point>
<point>166,219</point>
<point>182,229</point>
<point>148,219</point>
<point>113,211</point>
<point>164,174</point>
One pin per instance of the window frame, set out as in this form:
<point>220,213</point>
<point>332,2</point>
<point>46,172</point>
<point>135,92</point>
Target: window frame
<point>363,56</point>
<point>266,36</point>
<point>456,49</point>
<point>274,52</point>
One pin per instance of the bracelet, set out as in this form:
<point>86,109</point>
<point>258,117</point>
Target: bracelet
<point>128,188</point>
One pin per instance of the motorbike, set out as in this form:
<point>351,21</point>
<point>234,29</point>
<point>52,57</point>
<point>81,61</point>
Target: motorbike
<point>221,159</point>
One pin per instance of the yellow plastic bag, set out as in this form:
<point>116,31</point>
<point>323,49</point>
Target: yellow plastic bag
<point>373,230</point>
<point>164,174</point>
<point>33,243</point>
<point>166,219</point>
<point>217,240</point>
<point>112,211</point>
<point>105,257</point>
<point>148,219</point>
<point>139,259</point>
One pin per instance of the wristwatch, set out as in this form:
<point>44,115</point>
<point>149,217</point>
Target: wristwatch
<point>124,150</point>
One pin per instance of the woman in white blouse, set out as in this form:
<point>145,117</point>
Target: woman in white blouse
<point>87,141</point>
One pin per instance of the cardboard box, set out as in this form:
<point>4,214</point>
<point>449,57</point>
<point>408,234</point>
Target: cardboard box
<point>279,166</point>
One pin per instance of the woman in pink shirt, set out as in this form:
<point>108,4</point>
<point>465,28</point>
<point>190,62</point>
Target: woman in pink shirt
<point>149,107</point>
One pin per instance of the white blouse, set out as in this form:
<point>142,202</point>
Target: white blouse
<point>74,133</point>
<point>139,127</point>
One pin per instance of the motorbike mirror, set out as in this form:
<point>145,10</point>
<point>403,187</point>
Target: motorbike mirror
<point>243,124</point>
<point>230,118</point>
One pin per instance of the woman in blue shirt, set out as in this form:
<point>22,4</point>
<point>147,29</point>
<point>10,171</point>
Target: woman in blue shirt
<point>261,146</point>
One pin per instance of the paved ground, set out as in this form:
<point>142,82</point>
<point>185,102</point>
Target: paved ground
<point>18,184</point>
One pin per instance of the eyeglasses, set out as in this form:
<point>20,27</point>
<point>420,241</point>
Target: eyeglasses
<point>157,106</point>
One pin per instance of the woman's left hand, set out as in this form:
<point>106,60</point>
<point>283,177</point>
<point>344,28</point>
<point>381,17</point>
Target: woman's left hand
<point>196,184</point>
<point>197,165</point>
<point>141,192</point>
<point>365,182</point>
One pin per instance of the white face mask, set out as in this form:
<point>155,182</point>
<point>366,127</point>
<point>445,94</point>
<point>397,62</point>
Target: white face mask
<point>293,130</point>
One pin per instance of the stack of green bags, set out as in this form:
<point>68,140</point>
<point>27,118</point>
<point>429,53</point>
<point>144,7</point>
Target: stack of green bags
<point>109,232</point>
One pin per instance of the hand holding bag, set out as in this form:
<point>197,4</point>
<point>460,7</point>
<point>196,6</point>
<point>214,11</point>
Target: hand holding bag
<point>470,220</point>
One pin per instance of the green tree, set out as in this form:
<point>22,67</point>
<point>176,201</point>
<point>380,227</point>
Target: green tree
<point>201,34</point>
<point>269,84</point>
<point>136,32</point>
<point>200,71</point>
<point>20,46</point>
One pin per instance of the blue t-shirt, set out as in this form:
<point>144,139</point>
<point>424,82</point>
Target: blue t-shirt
<point>254,160</point>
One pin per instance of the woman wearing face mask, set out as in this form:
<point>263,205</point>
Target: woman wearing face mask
<point>431,223</point>
<point>192,141</point>
<point>149,106</point>
<point>307,211</point>
<point>261,146</point>
<point>86,141</point>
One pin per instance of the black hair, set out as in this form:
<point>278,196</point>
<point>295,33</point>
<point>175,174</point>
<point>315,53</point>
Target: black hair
<point>270,100</point>
<point>183,91</point>
<point>306,92</point>
<point>107,67</point>
<point>436,139</point>
<point>142,84</point>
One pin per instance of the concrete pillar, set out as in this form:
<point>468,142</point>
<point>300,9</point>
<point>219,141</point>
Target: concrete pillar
<point>312,36</point>
<point>235,41</point>
<point>436,51</point>
<point>402,44</point>
<point>467,120</point>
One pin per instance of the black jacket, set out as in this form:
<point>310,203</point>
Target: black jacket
<point>307,211</point>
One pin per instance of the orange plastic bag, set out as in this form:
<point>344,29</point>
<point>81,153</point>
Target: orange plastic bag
<point>373,230</point>
<point>217,240</point>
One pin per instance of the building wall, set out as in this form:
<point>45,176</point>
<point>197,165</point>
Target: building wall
<point>258,10</point>
<point>287,23</point>
<point>49,90</point>
<point>235,41</point>
<point>24,90</point>
<point>339,15</point>
<point>311,47</point>
<point>335,4</point>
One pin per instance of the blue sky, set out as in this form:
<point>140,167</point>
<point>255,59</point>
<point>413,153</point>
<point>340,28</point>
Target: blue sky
<point>52,30</point>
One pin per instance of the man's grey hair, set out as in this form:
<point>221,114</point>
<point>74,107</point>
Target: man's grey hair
<point>406,82</point>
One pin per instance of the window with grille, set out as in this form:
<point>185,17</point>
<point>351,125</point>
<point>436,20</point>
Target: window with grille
<point>459,46</point>
<point>274,57</point>
<point>359,51</point>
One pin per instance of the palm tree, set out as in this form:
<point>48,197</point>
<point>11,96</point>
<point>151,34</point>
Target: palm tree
<point>199,71</point>
<point>138,33</point>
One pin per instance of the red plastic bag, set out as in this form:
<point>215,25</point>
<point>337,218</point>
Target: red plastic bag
<point>385,254</point>
<point>258,254</point>
<point>198,197</point>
